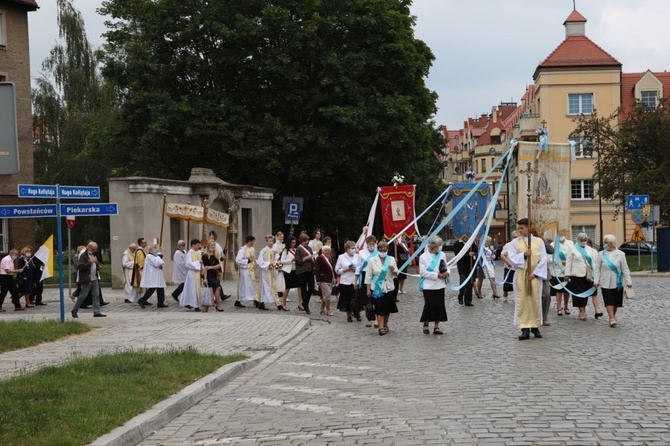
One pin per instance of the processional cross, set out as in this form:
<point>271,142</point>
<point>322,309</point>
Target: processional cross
<point>530,170</point>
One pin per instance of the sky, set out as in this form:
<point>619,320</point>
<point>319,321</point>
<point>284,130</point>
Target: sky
<point>485,50</point>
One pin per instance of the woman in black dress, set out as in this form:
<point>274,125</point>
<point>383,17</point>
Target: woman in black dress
<point>212,265</point>
<point>25,278</point>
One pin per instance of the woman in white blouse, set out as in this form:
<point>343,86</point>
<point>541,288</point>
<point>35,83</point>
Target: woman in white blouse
<point>434,271</point>
<point>379,275</point>
<point>581,274</point>
<point>613,274</point>
<point>346,268</point>
<point>287,261</point>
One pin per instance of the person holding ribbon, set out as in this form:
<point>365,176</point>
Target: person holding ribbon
<point>379,275</point>
<point>561,246</point>
<point>363,299</point>
<point>324,271</point>
<point>434,272</point>
<point>346,266</point>
<point>613,274</point>
<point>580,273</point>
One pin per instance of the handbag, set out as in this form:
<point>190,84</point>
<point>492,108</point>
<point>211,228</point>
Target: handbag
<point>336,290</point>
<point>629,293</point>
<point>369,311</point>
<point>206,296</point>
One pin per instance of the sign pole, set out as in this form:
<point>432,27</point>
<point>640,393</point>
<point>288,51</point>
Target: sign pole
<point>69,263</point>
<point>59,232</point>
<point>653,239</point>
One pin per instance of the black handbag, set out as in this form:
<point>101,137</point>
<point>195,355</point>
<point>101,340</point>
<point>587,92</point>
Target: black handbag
<point>336,290</point>
<point>370,311</point>
<point>20,280</point>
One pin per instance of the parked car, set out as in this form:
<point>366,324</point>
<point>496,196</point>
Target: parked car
<point>448,245</point>
<point>630,248</point>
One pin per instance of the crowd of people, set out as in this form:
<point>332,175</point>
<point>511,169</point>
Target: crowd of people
<point>21,276</point>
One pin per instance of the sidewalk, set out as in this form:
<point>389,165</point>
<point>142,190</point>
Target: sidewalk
<point>250,332</point>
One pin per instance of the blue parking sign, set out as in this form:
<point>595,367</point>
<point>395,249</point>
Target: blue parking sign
<point>293,211</point>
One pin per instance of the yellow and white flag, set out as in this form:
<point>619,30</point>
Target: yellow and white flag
<point>46,256</point>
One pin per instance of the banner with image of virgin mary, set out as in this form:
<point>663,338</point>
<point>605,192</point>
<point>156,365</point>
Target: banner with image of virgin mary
<point>469,216</point>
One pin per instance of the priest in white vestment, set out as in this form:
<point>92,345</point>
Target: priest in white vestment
<point>267,262</point>
<point>127,262</point>
<point>190,296</point>
<point>152,277</point>
<point>246,263</point>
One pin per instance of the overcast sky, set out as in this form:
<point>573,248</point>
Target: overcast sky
<point>485,50</point>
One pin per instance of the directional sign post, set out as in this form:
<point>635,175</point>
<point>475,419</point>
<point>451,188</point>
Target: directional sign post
<point>89,209</point>
<point>636,202</point>
<point>37,191</point>
<point>28,211</point>
<point>79,192</point>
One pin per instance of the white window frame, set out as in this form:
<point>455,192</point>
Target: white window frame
<point>3,30</point>
<point>580,110</point>
<point>583,189</point>
<point>4,235</point>
<point>590,230</point>
<point>655,96</point>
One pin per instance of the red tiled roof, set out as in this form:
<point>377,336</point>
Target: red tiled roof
<point>31,5</point>
<point>578,51</point>
<point>575,16</point>
<point>628,81</point>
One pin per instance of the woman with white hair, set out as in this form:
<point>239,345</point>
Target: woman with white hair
<point>434,271</point>
<point>613,273</point>
<point>379,275</point>
<point>580,272</point>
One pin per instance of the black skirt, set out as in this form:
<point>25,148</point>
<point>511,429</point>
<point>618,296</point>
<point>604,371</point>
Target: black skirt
<point>347,298</point>
<point>292,280</point>
<point>362,293</point>
<point>579,285</point>
<point>385,304</point>
<point>433,306</point>
<point>613,297</point>
<point>509,280</point>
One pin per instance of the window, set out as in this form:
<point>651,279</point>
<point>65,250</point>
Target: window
<point>583,148</point>
<point>3,33</point>
<point>589,230</point>
<point>582,190</point>
<point>483,165</point>
<point>649,98</point>
<point>3,78</point>
<point>4,236</point>
<point>581,103</point>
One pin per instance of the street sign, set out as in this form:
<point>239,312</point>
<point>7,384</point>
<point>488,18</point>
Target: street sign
<point>28,211</point>
<point>70,221</point>
<point>638,235</point>
<point>37,191</point>
<point>292,211</point>
<point>636,202</point>
<point>646,210</point>
<point>89,209</point>
<point>638,217</point>
<point>79,192</point>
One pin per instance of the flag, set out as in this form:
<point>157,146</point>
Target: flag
<point>367,229</point>
<point>46,256</point>
<point>398,209</point>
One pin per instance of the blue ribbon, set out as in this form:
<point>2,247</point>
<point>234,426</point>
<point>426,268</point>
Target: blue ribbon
<point>586,255</point>
<point>364,265</point>
<point>430,269</point>
<point>615,270</point>
<point>377,292</point>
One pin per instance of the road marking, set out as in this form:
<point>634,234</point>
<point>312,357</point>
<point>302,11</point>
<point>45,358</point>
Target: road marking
<point>338,379</point>
<point>334,366</point>
<point>334,393</point>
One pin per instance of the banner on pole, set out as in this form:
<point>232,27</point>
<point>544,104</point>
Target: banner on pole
<point>467,219</point>
<point>397,209</point>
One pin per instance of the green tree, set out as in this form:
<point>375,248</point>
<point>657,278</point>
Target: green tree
<point>322,99</point>
<point>633,147</point>
<point>72,113</point>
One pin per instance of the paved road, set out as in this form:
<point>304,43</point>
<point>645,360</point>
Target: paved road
<point>584,383</point>
<point>341,383</point>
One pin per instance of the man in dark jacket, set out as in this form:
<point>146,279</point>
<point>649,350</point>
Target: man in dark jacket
<point>465,265</point>
<point>88,267</point>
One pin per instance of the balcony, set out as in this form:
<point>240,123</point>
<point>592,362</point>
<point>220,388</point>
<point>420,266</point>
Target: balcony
<point>528,123</point>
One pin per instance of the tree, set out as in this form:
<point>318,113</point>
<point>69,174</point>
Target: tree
<point>324,100</point>
<point>633,157</point>
<point>72,110</point>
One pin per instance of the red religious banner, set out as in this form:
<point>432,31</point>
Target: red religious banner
<point>397,209</point>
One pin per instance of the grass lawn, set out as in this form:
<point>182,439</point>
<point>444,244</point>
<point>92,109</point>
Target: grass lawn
<point>76,403</point>
<point>19,334</point>
<point>644,264</point>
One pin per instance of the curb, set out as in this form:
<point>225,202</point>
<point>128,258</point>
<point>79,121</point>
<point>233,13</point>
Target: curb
<point>142,426</point>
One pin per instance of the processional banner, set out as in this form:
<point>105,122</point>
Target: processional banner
<point>549,172</point>
<point>397,209</point>
<point>195,214</point>
<point>469,216</point>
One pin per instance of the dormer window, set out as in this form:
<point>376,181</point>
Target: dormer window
<point>648,98</point>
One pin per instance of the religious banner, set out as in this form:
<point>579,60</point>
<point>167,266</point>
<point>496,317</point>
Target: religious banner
<point>469,216</point>
<point>194,213</point>
<point>549,174</point>
<point>397,209</point>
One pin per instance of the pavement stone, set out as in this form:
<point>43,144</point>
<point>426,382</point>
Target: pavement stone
<point>341,383</point>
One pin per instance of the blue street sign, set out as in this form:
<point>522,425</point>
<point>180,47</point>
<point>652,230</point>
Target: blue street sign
<point>28,211</point>
<point>37,191</point>
<point>79,192</point>
<point>293,210</point>
<point>636,202</point>
<point>91,209</point>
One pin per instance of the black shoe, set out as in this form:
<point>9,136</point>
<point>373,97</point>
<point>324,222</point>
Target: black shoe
<point>469,305</point>
<point>599,315</point>
<point>225,296</point>
<point>102,304</point>
<point>256,304</point>
<point>358,318</point>
<point>217,309</point>
<point>350,319</point>
<point>307,311</point>
<point>162,306</point>
<point>525,334</point>
<point>141,304</point>
<point>74,314</point>
<point>83,307</point>
<point>536,332</point>
<point>44,303</point>
<point>128,301</point>
<point>261,306</point>
<point>238,304</point>
<point>280,308</point>
<point>99,315</point>
<point>197,310</point>
<point>460,302</point>
<point>147,303</point>
<point>188,306</point>
<point>175,297</point>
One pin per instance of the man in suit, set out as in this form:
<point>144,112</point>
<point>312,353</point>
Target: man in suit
<point>465,265</point>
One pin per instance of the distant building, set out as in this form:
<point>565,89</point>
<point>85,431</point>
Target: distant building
<point>15,68</point>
